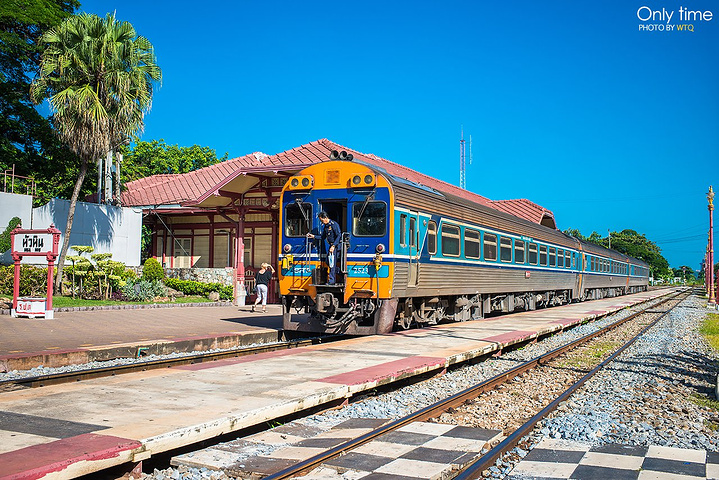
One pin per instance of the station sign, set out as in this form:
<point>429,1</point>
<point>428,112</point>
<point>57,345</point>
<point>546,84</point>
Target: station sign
<point>24,243</point>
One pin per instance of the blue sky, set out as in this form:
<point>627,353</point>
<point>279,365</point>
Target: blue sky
<point>568,103</point>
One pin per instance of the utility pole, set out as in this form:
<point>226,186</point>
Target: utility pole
<point>462,169</point>
<point>710,247</point>
<point>610,238</point>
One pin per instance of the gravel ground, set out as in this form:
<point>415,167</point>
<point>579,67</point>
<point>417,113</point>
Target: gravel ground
<point>654,393</point>
<point>648,396</point>
<point>399,403</point>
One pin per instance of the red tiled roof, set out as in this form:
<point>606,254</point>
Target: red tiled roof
<point>176,188</point>
<point>526,209</point>
<point>191,188</point>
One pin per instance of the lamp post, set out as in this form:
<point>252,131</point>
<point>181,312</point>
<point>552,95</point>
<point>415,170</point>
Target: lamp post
<point>710,249</point>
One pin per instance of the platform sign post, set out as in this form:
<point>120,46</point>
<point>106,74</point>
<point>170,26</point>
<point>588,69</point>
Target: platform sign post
<point>33,243</point>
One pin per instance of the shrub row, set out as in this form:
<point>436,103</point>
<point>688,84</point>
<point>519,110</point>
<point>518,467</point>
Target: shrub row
<point>143,290</point>
<point>33,280</point>
<point>190,287</point>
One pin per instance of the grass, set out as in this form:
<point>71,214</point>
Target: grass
<point>63,302</point>
<point>704,401</point>
<point>710,330</point>
<point>589,357</point>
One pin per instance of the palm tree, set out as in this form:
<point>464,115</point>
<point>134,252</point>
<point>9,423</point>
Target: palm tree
<point>98,75</point>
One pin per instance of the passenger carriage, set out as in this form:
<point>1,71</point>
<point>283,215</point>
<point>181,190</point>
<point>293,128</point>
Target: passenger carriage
<point>414,255</point>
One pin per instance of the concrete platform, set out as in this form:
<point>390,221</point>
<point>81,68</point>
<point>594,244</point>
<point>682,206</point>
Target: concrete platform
<point>82,337</point>
<point>64,431</point>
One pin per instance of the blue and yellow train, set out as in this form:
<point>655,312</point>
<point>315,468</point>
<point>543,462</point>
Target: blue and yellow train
<point>412,255</point>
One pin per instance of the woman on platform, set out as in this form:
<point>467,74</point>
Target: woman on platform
<point>262,282</point>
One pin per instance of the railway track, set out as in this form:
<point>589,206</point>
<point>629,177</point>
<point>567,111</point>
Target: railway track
<point>482,463</point>
<point>79,375</point>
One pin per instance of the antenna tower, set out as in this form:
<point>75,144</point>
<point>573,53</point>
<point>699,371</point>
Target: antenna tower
<point>470,149</point>
<point>462,169</point>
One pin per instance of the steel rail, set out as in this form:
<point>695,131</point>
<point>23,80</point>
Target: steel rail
<point>79,375</point>
<point>475,469</point>
<point>450,402</point>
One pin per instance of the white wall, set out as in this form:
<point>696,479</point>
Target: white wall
<point>14,205</point>
<point>107,229</point>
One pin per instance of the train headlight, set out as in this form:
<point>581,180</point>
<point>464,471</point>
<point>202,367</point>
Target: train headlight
<point>368,179</point>
<point>380,248</point>
<point>301,182</point>
<point>356,180</point>
<point>287,248</point>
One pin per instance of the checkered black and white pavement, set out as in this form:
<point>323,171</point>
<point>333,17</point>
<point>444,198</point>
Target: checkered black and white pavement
<point>559,459</point>
<point>416,451</point>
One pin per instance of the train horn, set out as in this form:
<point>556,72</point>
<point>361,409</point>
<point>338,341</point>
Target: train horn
<point>334,155</point>
<point>343,155</point>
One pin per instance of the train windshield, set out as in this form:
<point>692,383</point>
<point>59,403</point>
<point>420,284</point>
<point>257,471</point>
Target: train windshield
<point>369,219</point>
<point>297,219</point>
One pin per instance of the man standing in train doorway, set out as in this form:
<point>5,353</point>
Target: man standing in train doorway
<point>332,234</point>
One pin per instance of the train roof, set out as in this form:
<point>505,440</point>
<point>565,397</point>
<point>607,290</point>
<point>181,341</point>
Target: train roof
<point>541,232</point>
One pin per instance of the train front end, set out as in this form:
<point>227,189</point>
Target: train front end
<point>360,200</point>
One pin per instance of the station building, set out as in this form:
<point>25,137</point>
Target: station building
<point>219,223</point>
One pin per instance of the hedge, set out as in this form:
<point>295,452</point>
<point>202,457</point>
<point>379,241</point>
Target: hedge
<point>190,287</point>
<point>33,280</point>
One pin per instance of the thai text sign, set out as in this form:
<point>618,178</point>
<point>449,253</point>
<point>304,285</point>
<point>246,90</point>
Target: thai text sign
<point>32,243</point>
<point>31,306</point>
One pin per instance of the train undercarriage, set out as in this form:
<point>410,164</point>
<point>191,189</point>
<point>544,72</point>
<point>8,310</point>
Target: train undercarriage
<point>369,315</point>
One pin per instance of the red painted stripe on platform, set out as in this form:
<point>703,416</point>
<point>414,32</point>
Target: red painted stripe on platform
<point>384,370</point>
<point>34,462</point>
<point>566,321</point>
<point>245,359</point>
<point>509,336</point>
<point>596,312</point>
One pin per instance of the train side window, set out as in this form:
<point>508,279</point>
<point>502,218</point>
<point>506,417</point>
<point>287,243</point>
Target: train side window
<point>369,219</point>
<point>505,249</point>
<point>560,258</point>
<point>471,243</point>
<point>552,256</point>
<point>543,255</point>
<point>519,251</point>
<point>490,247</point>
<point>403,230</point>
<point>450,240</point>
<point>412,232</point>
<point>297,218</point>
<point>532,253</point>
<point>567,259</point>
<point>432,238</point>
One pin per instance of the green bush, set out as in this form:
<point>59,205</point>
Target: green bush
<point>190,287</point>
<point>152,270</point>
<point>5,236</point>
<point>33,280</point>
<point>143,290</point>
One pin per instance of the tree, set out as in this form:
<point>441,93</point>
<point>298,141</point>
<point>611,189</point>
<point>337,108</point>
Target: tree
<point>156,157</point>
<point>633,244</point>
<point>573,232</point>
<point>686,272</point>
<point>26,137</point>
<point>98,75</point>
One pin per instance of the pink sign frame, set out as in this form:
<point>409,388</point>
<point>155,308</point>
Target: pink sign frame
<point>34,247</point>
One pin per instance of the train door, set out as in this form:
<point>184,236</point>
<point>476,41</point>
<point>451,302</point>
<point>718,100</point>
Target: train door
<point>337,211</point>
<point>414,249</point>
